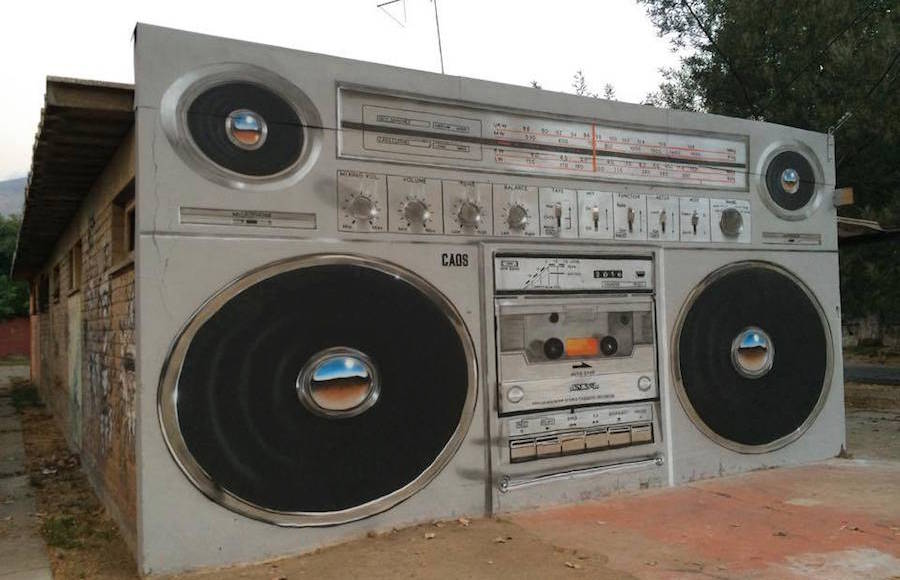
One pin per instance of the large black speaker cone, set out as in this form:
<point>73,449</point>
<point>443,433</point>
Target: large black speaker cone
<point>753,360</point>
<point>235,421</point>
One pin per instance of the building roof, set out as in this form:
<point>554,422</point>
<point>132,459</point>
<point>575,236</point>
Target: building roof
<point>82,125</point>
<point>857,231</point>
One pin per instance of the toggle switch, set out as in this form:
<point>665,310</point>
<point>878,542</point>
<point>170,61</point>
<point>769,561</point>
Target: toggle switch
<point>521,450</point>
<point>596,438</point>
<point>547,446</point>
<point>641,434</point>
<point>572,442</point>
<point>619,436</point>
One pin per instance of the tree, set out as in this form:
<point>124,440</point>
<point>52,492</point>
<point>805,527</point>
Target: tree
<point>580,85</point>
<point>806,64</point>
<point>13,294</point>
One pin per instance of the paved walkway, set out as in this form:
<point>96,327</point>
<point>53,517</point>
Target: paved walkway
<point>23,555</point>
<point>872,373</point>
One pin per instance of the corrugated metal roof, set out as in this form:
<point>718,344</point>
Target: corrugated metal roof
<point>82,125</point>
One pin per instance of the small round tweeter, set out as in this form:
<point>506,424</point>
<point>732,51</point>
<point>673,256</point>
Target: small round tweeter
<point>752,357</point>
<point>319,390</point>
<point>241,126</point>
<point>246,128</point>
<point>791,184</point>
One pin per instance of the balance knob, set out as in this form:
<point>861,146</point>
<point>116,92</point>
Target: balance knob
<point>517,217</point>
<point>363,208</point>
<point>469,215</point>
<point>732,222</point>
<point>416,212</point>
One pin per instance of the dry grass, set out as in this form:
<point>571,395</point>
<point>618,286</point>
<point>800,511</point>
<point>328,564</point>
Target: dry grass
<point>82,539</point>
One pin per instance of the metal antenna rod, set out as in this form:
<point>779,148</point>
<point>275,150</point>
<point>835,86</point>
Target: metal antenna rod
<point>437,24</point>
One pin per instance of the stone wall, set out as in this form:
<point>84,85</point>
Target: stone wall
<point>86,341</point>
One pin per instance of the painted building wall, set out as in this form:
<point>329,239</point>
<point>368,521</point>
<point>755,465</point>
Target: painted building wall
<point>85,341</point>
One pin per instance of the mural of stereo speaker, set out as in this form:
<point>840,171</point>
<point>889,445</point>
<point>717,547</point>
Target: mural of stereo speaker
<point>369,297</point>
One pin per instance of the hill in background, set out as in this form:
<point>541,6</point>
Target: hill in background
<point>12,195</point>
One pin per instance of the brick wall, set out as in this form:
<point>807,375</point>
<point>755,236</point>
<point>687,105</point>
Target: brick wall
<point>85,341</point>
<point>15,337</point>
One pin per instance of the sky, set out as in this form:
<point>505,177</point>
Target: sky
<point>511,41</point>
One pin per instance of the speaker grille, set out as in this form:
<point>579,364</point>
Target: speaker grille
<point>765,412</point>
<point>235,419</point>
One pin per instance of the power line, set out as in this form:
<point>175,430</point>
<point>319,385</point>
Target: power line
<point>814,59</point>
<point>731,68</point>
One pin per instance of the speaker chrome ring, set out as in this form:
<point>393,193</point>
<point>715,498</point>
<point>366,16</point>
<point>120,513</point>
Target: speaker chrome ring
<point>766,158</point>
<point>178,98</point>
<point>167,395</point>
<point>312,400</point>
<point>681,392</point>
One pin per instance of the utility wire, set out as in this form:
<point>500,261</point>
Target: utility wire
<point>859,16</point>
<point>731,68</point>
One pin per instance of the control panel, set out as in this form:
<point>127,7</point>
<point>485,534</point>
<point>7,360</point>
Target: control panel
<point>377,203</point>
<point>572,433</point>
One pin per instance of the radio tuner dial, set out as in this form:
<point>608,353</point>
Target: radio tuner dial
<point>732,222</point>
<point>416,212</point>
<point>517,217</point>
<point>469,214</point>
<point>363,208</point>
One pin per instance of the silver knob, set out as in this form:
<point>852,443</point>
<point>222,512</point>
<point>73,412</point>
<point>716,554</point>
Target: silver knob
<point>416,212</point>
<point>363,208</point>
<point>469,215</point>
<point>517,217</point>
<point>732,222</point>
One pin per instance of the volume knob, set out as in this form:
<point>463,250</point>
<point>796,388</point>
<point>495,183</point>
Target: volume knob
<point>517,217</point>
<point>363,208</point>
<point>732,222</point>
<point>469,215</point>
<point>416,212</point>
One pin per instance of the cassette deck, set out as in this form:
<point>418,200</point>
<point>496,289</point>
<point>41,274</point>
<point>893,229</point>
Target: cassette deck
<point>575,334</point>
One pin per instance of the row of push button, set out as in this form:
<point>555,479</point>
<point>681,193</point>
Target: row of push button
<point>574,442</point>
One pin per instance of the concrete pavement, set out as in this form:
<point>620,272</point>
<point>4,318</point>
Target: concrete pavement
<point>23,555</point>
<point>872,373</point>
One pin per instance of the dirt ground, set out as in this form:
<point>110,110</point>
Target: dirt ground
<point>84,542</point>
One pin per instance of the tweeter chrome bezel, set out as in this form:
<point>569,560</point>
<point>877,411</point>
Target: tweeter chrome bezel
<point>762,188</point>
<point>176,102</point>
<point>167,395</point>
<point>683,397</point>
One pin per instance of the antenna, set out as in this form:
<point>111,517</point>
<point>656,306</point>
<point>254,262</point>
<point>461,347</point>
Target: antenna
<point>392,9</point>
<point>437,24</point>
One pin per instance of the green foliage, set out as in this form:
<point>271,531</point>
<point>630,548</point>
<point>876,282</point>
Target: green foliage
<point>13,294</point>
<point>807,64</point>
<point>24,395</point>
<point>63,532</point>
